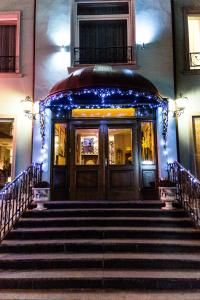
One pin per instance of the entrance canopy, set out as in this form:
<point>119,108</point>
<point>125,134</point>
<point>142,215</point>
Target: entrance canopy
<point>102,86</point>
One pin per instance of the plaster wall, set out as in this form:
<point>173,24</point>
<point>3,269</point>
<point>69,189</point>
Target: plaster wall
<point>15,88</point>
<point>187,84</point>
<point>155,62</point>
<point>52,31</point>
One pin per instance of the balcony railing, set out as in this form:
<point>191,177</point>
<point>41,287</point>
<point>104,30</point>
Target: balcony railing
<point>9,64</point>
<point>189,190</point>
<point>103,55</point>
<point>194,60</point>
<point>16,196</point>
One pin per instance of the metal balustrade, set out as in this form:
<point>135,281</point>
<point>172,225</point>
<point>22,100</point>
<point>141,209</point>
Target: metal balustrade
<point>9,64</point>
<point>103,55</point>
<point>16,196</point>
<point>189,190</point>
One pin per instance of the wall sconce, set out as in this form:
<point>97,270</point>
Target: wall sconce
<point>180,105</point>
<point>64,48</point>
<point>27,106</point>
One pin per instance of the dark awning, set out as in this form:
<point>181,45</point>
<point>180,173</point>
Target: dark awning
<point>102,86</point>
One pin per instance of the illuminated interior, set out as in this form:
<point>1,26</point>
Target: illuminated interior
<point>87,146</point>
<point>103,113</point>
<point>6,151</point>
<point>59,144</point>
<point>147,143</point>
<point>120,146</point>
<point>194,40</point>
<point>196,125</point>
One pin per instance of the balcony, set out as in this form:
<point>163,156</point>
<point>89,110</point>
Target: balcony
<point>8,64</point>
<point>194,58</point>
<point>111,55</point>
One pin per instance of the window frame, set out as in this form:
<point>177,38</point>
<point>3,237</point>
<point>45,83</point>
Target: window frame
<point>12,18</point>
<point>130,20</point>
<point>186,12</point>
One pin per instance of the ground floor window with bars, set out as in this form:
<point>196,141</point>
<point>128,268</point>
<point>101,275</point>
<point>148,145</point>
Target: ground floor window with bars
<point>6,151</point>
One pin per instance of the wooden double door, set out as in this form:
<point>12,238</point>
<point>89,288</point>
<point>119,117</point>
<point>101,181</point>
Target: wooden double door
<point>114,159</point>
<point>103,161</point>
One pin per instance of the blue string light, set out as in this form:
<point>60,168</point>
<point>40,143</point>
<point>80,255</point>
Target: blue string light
<point>100,98</point>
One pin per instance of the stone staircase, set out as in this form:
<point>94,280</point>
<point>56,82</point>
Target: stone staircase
<point>102,246</point>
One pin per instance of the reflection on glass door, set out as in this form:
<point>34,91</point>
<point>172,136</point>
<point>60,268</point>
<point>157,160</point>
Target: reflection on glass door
<point>120,146</point>
<point>6,151</point>
<point>147,143</point>
<point>60,144</point>
<point>87,146</point>
<point>196,136</point>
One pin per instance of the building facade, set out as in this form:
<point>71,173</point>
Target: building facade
<point>16,82</point>
<point>104,130</point>
<point>187,79</point>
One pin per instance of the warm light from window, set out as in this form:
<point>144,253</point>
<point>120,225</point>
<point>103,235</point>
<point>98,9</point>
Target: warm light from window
<point>103,113</point>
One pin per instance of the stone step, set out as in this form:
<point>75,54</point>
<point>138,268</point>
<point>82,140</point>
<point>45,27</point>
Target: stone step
<point>62,294</point>
<point>106,212</point>
<point>104,232</point>
<point>100,246</point>
<point>106,222</point>
<point>100,279</point>
<point>102,204</point>
<point>100,261</point>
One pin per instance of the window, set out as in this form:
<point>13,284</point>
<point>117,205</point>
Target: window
<point>6,151</point>
<point>196,136</point>
<point>192,20</point>
<point>104,32</point>
<point>147,143</point>
<point>9,42</point>
<point>59,144</point>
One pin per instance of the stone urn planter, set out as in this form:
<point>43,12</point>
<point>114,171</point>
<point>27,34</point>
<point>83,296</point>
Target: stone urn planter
<point>41,192</point>
<point>168,193</point>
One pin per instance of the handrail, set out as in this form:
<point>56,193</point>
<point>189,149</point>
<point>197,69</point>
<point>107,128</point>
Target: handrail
<point>91,55</point>
<point>16,196</point>
<point>189,190</point>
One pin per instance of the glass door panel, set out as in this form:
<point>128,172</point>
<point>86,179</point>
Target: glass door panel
<point>147,143</point>
<point>196,135</point>
<point>120,146</point>
<point>59,162</point>
<point>87,146</point>
<point>60,144</point>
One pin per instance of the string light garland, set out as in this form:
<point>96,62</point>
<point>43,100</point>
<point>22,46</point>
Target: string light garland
<point>99,98</point>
